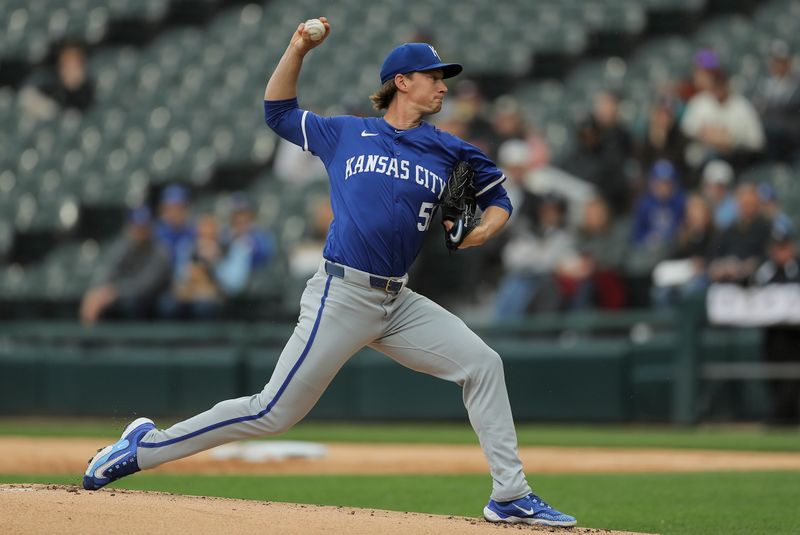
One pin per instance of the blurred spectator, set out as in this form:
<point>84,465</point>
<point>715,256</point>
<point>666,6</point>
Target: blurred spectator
<point>659,213</point>
<point>771,207</point>
<point>72,87</point>
<point>247,247</point>
<point>552,180</point>
<point>593,277</point>
<point>664,140</point>
<point>68,87</point>
<point>469,106</point>
<point>721,124</point>
<point>295,166</point>
<point>717,185</point>
<point>742,246</point>
<point>603,148</point>
<point>423,34</point>
<point>508,124</point>
<point>530,259</point>
<point>684,272</point>
<point>137,269</point>
<point>514,157</point>
<point>196,294</point>
<point>306,256</point>
<point>777,99</point>
<point>175,229</point>
<point>453,125</point>
<point>657,216</point>
<point>781,341</point>
<point>705,66</point>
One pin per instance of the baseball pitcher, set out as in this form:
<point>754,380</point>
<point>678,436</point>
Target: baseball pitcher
<point>387,175</point>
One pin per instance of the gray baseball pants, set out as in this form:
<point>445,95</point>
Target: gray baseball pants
<point>339,316</point>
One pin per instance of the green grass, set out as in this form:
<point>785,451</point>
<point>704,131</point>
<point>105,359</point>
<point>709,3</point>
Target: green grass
<point>708,503</point>
<point>730,438</point>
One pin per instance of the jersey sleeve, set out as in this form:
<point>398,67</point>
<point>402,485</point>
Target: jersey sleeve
<point>306,129</point>
<point>488,179</point>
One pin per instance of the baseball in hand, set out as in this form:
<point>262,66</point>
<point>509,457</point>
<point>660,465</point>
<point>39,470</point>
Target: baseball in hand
<point>315,29</point>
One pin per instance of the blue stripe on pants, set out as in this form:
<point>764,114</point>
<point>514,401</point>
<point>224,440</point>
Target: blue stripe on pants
<point>271,404</point>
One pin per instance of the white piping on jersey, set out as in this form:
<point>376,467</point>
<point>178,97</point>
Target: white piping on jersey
<point>303,128</point>
<point>490,186</point>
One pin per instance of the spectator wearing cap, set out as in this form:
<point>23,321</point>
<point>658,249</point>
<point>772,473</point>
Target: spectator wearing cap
<point>659,212</point>
<point>247,247</point>
<point>195,292</point>
<point>530,259</point>
<point>721,124</point>
<point>741,248</point>
<point>717,188</point>
<point>136,270</point>
<point>771,207</point>
<point>514,157</point>
<point>704,67</point>
<point>175,228</point>
<point>780,342</point>
<point>777,99</point>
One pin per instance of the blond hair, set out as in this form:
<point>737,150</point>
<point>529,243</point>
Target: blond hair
<point>384,96</point>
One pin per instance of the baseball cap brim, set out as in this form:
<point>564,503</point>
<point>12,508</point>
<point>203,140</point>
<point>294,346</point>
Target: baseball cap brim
<point>448,69</point>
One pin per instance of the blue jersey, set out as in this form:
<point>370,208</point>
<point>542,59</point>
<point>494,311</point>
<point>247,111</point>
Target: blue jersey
<point>385,183</point>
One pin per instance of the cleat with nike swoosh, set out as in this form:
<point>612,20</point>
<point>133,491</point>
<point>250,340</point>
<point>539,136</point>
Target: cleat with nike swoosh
<point>529,509</point>
<point>119,459</point>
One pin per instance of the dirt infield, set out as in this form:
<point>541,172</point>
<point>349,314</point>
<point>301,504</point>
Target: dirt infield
<point>61,509</point>
<point>27,455</point>
<point>58,509</point>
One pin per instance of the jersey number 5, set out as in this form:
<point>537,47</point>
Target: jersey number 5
<point>426,214</point>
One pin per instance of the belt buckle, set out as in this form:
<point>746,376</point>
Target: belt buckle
<point>388,282</point>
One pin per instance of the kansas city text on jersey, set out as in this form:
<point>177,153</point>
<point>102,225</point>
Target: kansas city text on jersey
<point>386,165</point>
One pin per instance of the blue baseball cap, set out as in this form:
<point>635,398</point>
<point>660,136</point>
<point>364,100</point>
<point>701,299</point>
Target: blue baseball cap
<point>663,170</point>
<point>766,192</point>
<point>140,216</point>
<point>240,202</point>
<point>413,57</point>
<point>174,194</point>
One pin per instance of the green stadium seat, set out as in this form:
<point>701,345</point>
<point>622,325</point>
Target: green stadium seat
<point>6,236</point>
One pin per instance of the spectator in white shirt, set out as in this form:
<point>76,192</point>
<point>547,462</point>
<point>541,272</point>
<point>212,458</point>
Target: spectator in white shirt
<point>722,124</point>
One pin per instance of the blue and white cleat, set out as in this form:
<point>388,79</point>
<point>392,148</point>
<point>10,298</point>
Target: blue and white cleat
<point>529,509</point>
<point>119,459</point>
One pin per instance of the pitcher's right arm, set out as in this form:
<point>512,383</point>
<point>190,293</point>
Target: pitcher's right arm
<point>282,84</point>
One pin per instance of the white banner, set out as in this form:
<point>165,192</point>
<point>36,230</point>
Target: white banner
<point>730,304</point>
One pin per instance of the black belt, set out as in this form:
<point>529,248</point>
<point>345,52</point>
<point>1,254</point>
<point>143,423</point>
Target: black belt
<point>392,286</point>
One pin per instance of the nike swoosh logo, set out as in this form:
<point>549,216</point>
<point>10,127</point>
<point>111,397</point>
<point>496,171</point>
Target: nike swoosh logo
<point>455,234</point>
<point>526,511</point>
<point>364,133</point>
<point>107,458</point>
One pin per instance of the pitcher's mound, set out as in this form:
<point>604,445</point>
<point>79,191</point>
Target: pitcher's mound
<point>60,509</point>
